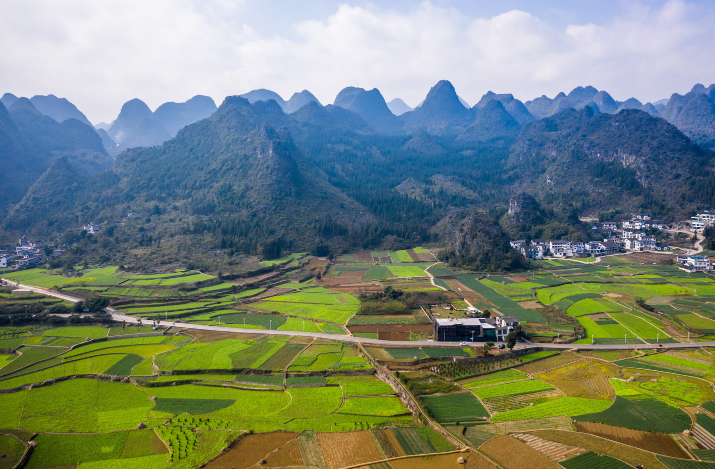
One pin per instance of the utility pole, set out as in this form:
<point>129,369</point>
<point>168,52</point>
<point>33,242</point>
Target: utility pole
<point>219,320</point>
<point>592,342</point>
<point>270,324</point>
<point>625,338</point>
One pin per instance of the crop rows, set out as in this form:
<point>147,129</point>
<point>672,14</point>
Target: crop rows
<point>510,389</point>
<point>497,405</point>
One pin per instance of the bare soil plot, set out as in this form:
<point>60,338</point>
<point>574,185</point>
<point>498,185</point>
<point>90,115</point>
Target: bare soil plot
<point>349,448</point>
<point>382,260</point>
<point>555,451</point>
<point>415,257</point>
<point>394,444</point>
<point>511,453</point>
<point>462,290</point>
<point>425,257</point>
<point>660,443</point>
<point>251,449</point>
<point>649,258</point>
<point>587,378</point>
<point>479,461</point>
<point>351,274</point>
<point>364,256</point>
<point>627,454</point>
<point>287,455</point>
<point>214,336</point>
<point>392,328</point>
<point>446,461</point>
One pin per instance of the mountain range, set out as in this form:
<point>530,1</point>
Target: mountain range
<point>260,171</point>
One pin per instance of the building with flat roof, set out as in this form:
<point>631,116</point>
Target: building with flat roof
<point>474,329</point>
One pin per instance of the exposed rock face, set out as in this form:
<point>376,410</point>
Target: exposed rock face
<point>480,243</point>
<point>523,208</point>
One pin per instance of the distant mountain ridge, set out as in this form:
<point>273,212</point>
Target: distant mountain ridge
<point>398,107</point>
<point>138,126</point>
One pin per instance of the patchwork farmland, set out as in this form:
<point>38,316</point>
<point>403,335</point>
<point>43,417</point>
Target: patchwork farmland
<point>120,395</point>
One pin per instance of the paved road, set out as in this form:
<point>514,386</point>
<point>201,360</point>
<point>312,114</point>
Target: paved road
<point>119,316</point>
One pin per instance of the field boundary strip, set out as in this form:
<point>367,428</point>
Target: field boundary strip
<point>365,464</point>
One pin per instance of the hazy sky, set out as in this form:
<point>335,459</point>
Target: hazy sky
<point>100,53</point>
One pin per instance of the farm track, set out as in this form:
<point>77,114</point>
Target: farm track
<point>119,317</point>
<point>555,451</point>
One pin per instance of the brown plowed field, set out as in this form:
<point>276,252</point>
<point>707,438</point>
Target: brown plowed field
<point>415,257</point>
<point>382,260</point>
<point>442,461</point>
<point>511,453</point>
<point>287,455</point>
<point>213,336</point>
<point>349,448</point>
<point>256,279</point>
<point>650,258</point>
<point>625,453</point>
<point>425,257</point>
<point>364,256</point>
<point>406,328</point>
<point>465,292</point>
<point>351,273</point>
<point>251,449</point>
<point>655,442</point>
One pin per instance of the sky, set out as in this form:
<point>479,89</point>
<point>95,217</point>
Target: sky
<point>100,53</point>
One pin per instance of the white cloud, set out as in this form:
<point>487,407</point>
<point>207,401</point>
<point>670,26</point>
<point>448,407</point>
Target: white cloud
<point>99,55</point>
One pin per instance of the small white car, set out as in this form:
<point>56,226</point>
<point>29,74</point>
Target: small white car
<point>463,343</point>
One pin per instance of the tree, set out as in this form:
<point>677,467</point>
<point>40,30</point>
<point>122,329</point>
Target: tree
<point>511,340</point>
<point>319,275</point>
<point>487,347</point>
<point>486,314</point>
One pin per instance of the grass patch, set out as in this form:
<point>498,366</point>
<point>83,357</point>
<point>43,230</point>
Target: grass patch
<point>647,415</point>
<point>178,406</point>
<point>511,389</point>
<point>455,408</point>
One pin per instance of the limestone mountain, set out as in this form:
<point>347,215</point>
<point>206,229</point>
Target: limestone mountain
<point>581,97</point>
<point>20,162</point>
<point>440,113</point>
<point>606,160</point>
<point>298,100</point>
<point>232,166</point>
<point>8,99</point>
<point>694,114</point>
<point>492,122</point>
<point>60,109</point>
<point>513,106</point>
<point>70,138</point>
<point>398,107</point>
<point>175,116</point>
<point>371,106</point>
<point>480,243</point>
<point>136,127</point>
<point>264,95</point>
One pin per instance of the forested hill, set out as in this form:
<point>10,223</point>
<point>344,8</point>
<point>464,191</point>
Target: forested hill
<point>255,178</point>
<point>595,159</point>
<point>233,170</point>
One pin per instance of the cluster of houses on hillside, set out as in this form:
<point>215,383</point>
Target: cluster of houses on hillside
<point>702,220</point>
<point>629,238</point>
<point>25,254</point>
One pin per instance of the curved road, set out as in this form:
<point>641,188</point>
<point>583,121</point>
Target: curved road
<point>119,316</point>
